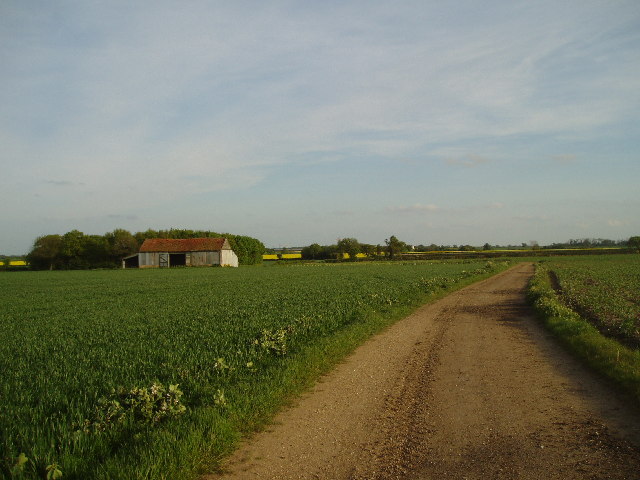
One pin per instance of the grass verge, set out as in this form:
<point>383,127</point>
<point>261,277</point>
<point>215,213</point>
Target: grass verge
<point>615,361</point>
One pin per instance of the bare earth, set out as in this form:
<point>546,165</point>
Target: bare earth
<point>469,387</point>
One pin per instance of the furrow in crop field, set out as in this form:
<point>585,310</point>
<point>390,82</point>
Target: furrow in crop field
<point>605,290</point>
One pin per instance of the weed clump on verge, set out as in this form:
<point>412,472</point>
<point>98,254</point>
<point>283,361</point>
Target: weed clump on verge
<point>137,406</point>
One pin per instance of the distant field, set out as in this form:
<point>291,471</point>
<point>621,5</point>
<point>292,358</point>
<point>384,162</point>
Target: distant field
<point>90,359</point>
<point>605,290</point>
<point>13,263</point>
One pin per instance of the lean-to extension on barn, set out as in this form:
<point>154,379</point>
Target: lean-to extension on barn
<point>189,252</point>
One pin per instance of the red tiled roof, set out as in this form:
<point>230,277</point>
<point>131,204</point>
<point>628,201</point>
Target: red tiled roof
<point>183,244</point>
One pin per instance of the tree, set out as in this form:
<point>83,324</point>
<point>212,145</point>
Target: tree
<point>312,252</point>
<point>149,233</point>
<point>367,249</point>
<point>350,246</point>
<point>45,252</point>
<point>96,251</point>
<point>394,246</point>
<point>72,251</point>
<point>634,242</point>
<point>248,249</point>
<point>121,244</point>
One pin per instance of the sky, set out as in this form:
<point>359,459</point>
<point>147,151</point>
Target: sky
<point>299,122</point>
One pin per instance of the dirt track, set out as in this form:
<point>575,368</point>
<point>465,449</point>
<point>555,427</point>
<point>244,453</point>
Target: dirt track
<point>468,387</point>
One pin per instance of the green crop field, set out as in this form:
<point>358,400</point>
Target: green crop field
<point>604,290</point>
<point>156,373</point>
<point>592,304</point>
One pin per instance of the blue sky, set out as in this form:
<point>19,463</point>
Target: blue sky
<point>301,121</point>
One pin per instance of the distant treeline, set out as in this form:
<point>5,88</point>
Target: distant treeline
<point>75,250</point>
<point>351,247</point>
<point>593,243</point>
<point>393,246</point>
<point>574,243</point>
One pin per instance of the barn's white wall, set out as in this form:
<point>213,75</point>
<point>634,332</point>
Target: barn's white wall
<point>228,258</point>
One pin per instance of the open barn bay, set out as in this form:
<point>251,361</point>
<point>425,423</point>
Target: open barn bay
<point>156,373</point>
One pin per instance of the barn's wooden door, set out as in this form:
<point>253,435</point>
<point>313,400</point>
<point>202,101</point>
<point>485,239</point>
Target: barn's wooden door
<point>163,260</point>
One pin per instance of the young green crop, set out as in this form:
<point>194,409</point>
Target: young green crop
<point>144,373</point>
<point>605,290</point>
<point>616,361</point>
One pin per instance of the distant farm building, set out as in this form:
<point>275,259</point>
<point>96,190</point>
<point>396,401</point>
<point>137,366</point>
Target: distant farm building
<point>183,252</point>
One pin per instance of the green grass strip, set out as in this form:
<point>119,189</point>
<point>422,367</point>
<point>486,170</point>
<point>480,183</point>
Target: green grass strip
<point>605,355</point>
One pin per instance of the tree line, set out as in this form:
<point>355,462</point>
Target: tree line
<point>351,247</point>
<point>76,250</point>
<point>594,243</point>
<point>393,246</point>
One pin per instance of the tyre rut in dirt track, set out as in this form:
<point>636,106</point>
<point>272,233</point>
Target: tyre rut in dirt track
<point>402,438</point>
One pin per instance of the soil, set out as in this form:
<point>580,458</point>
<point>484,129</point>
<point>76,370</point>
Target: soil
<point>469,387</point>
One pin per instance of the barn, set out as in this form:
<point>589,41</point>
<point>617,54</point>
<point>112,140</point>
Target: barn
<point>184,252</point>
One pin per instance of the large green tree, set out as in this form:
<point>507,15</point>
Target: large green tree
<point>350,246</point>
<point>312,252</point>
<point>96,251</point>
<point>45,252</point>
<point>634,242</point>
<point>368,249</point>
<point>72,251</point>
<point>248,249</point>
<point>394,246</point>
<point>121,244</point>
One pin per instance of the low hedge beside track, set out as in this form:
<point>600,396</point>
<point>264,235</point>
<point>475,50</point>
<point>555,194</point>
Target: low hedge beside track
<point>607,356</point>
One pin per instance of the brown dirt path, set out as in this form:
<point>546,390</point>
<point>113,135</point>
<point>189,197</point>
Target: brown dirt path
<point>468,387</point>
